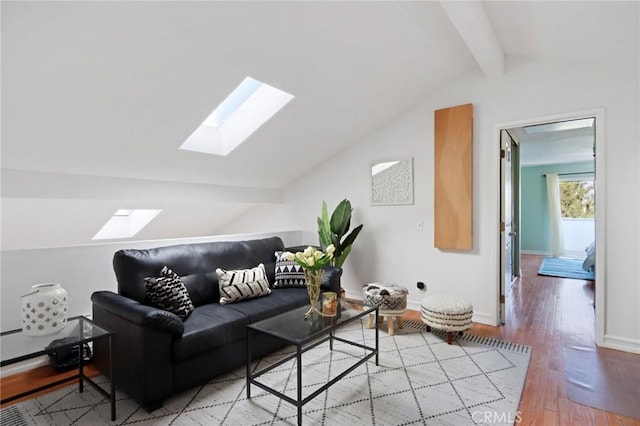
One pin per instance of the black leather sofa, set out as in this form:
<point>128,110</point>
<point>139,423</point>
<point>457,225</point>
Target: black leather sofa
<point>155,353</point>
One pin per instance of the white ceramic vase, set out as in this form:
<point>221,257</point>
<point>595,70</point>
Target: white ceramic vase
<point>44,310</point>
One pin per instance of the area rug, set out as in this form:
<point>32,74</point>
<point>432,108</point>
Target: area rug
<point>611,383</point>
<point>420,380</point>
<point>565,268</point>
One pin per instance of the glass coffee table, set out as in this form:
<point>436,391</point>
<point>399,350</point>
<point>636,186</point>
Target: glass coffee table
<point>294,329</point>
<point>15,346</point>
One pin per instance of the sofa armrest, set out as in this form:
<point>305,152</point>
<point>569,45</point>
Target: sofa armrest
<point>139,314</point>
<point>142,343</point>
<point>331,279</point>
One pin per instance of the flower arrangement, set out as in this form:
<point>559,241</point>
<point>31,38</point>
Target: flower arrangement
<point>311,258</point>
<point>312,261</point>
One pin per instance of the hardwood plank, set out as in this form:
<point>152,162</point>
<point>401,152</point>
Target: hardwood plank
<point>550,418</point>
<point>41,376</point>
<point>589,414</point>
<point>600,417</point>
<point>563,411</point>
<point>551,391</point>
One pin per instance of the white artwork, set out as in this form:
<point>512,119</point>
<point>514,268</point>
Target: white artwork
<point>392,182</point>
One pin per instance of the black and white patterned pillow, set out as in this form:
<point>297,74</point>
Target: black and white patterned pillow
<point>169,293</point>
<point>288,272</point>
<point>241,284</point>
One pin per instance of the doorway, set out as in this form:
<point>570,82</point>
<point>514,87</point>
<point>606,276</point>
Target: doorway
<point>573,139</point>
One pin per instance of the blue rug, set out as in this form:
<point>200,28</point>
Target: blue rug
<point>565,268</point>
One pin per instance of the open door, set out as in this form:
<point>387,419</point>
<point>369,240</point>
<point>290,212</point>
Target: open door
<point>508,232</point>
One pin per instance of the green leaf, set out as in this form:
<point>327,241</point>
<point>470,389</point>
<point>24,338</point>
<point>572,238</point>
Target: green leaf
<point>341,218</point>
<point>351,237</point>
<point>336,243</point>
<point>339,261</point>
<point>324,231</point>
<point>324,234</point>
<point>324,214</point>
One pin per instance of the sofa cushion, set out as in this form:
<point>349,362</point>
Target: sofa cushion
<point>209,327</point>
<point>169,293</point>
<point>279,301</point>
<point>203,288</point>
<point>241,284</point>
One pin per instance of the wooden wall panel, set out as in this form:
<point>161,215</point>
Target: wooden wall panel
<point>453,203</point>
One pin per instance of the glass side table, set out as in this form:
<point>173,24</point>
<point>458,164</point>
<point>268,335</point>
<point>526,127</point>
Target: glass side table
<point>15,346</point>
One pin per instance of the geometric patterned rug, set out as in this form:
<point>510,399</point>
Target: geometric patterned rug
<point>420,380</point>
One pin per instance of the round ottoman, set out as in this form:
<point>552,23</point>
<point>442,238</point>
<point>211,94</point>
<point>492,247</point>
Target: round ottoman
<point>446,312</point>
<point>391,301</point>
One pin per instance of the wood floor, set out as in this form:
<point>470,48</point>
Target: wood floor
<point>545,313</point>
<point>549,314</point>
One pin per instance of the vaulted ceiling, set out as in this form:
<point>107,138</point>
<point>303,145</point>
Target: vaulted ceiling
<point>98,96</point>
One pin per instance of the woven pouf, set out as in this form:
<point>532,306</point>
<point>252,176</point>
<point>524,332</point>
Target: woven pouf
<point>391,301</point>
<point>446,312</point>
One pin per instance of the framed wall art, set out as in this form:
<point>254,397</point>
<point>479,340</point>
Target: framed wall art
<point>392,182</point>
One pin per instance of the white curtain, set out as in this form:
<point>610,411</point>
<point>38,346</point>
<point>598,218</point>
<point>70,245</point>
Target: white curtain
<point>555,213</point>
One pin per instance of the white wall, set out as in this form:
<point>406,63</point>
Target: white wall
<point>41,209</point>
<point>578,234</point>
<point>81,270</point>
<point>391,249</point>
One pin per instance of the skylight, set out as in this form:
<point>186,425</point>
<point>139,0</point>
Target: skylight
<point>248,107</point>
<point>126,223</point>
<point>558,126</point>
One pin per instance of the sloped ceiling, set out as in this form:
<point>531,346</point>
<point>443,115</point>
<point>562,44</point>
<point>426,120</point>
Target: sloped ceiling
<point>98,96</point>
<point>114,88</point>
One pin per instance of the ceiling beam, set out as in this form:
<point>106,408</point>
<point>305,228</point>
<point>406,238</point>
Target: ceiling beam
<point>472,23</point>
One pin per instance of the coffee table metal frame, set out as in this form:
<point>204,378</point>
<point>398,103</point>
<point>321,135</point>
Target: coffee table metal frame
<point>304,344</point>
<point>34,347</point>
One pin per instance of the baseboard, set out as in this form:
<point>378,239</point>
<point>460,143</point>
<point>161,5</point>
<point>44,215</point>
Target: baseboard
<point>482,318</point>
<point>21,367</point>
<point>575,254</point>
<point>536,252</point>
<point>622,344</point>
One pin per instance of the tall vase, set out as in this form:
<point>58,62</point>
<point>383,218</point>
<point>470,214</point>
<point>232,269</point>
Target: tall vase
<point>313,281</point>
<point>44,310</point>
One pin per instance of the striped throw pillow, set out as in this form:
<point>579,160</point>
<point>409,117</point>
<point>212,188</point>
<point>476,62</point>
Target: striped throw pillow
<point>241,284</point>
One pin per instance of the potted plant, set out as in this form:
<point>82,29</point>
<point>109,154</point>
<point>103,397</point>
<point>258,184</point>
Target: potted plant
<point>333,231</point>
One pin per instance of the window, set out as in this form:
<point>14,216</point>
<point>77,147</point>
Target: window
<point>126,223</point>
<point>577,198</point>
<point>248,107</point>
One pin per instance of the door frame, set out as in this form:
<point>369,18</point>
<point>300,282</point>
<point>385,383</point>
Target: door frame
<point>509,223</point>
<point>600,198</point>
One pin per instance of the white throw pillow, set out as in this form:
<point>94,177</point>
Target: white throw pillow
<point>241,284</point>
